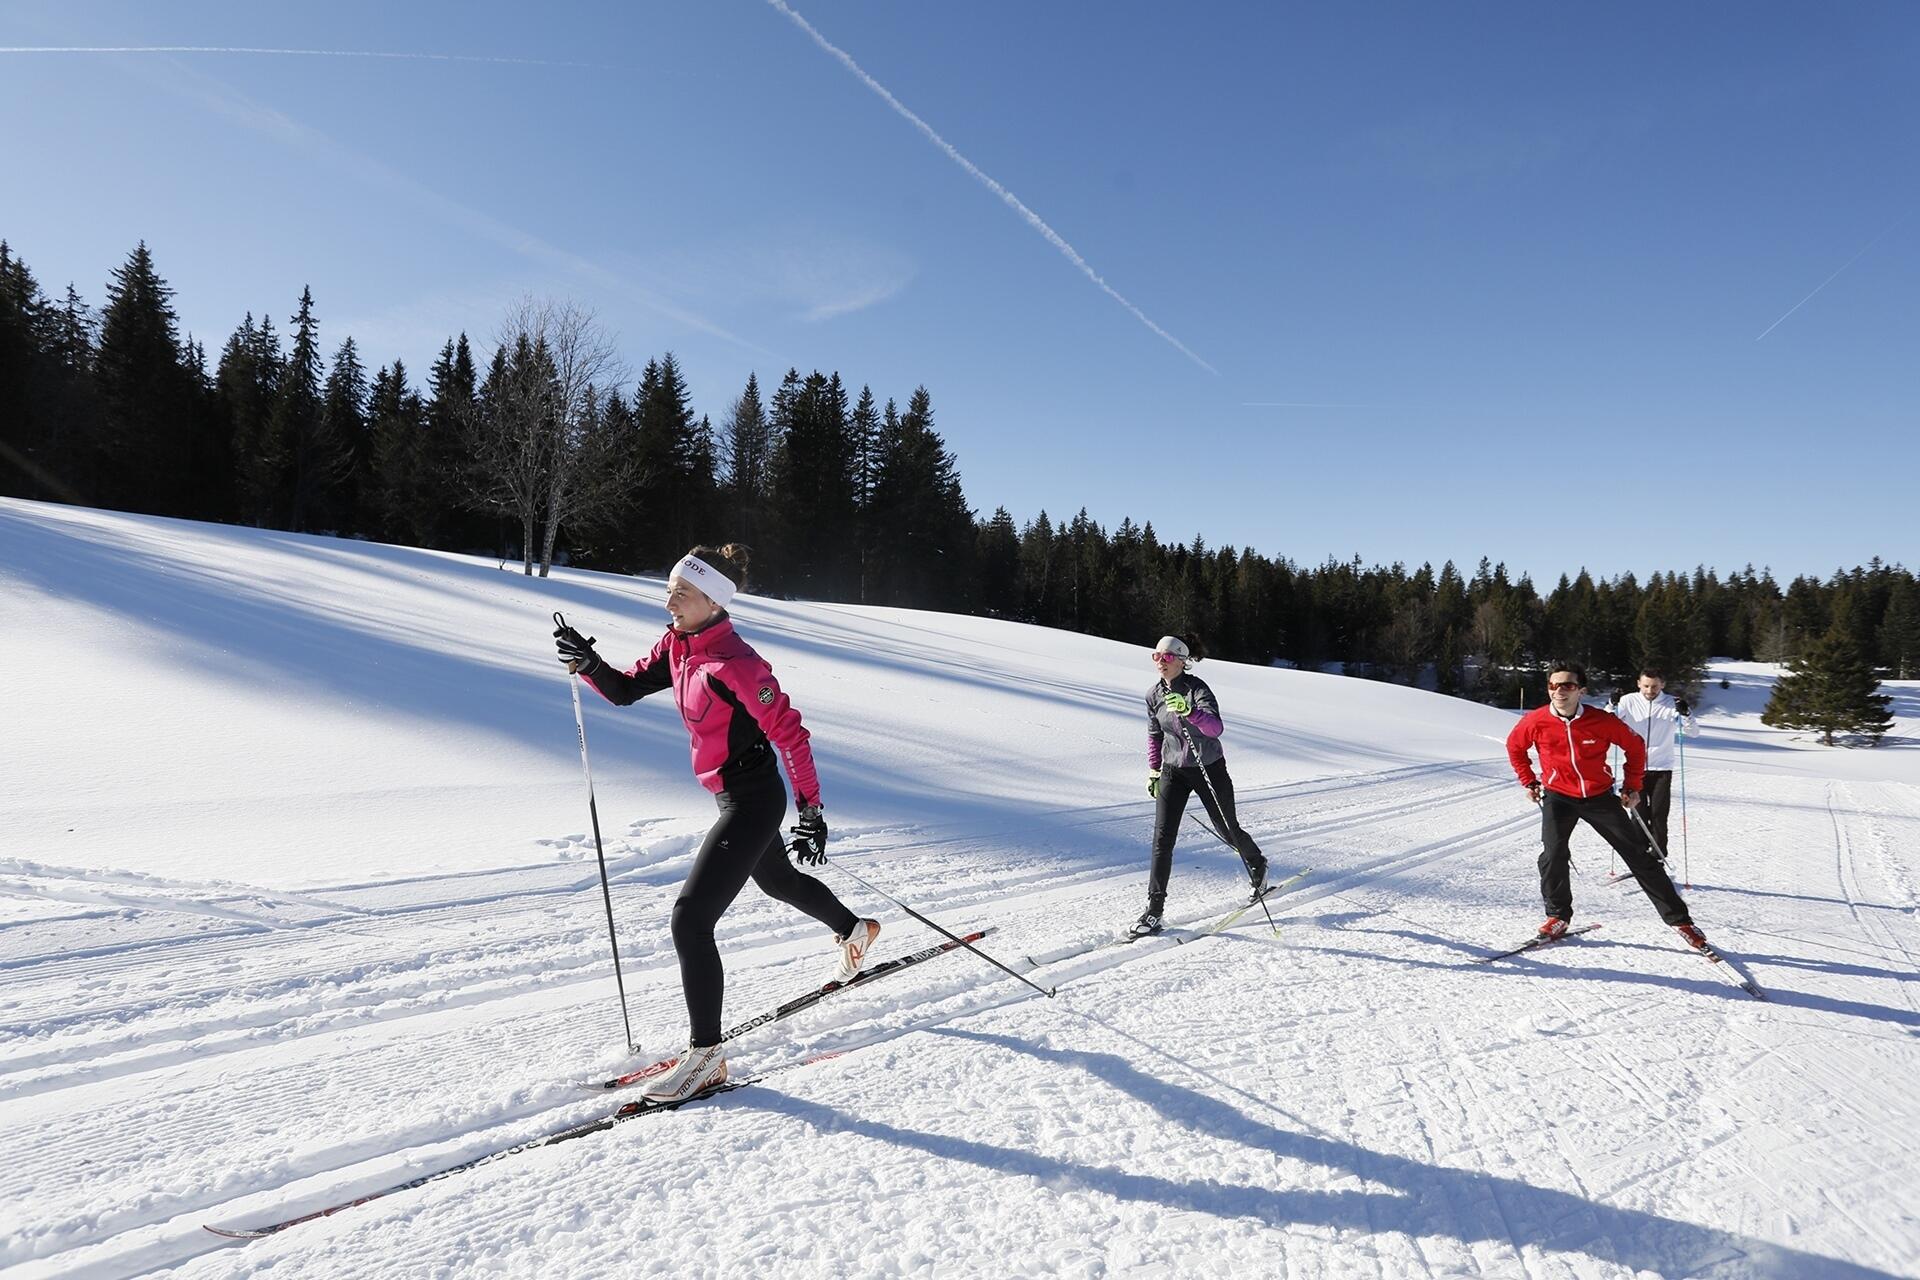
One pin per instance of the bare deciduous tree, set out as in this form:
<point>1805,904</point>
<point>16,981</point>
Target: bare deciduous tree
<point>540,448</point>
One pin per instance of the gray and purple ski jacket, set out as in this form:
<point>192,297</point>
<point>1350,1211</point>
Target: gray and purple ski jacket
<point>1166,745</point>
<point>729,700</point>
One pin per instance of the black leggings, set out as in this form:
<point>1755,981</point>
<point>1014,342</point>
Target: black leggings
<point>744,843</point>
<point>1176,785</point>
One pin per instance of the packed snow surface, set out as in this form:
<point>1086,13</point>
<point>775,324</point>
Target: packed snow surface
<point>299,901</point>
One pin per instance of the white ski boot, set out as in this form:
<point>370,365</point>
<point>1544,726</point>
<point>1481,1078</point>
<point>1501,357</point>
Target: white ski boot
<point>700,1068</point>
<point>853,950</point>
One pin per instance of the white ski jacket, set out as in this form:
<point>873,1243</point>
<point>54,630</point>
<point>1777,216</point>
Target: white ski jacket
<point>1657,720</point>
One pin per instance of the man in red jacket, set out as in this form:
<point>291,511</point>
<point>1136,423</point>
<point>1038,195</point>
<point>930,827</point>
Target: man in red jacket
<point>1571,740</point>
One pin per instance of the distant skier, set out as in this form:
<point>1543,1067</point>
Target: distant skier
<point>1658,717</point>
<point>1571,740</point>
<point>1181,706</point>
<point>732,706</point>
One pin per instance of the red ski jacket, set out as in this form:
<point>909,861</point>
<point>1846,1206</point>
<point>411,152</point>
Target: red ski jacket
<point>1573,753</point>
<point>729,700</point>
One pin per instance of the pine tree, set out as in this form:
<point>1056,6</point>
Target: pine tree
<point>395,420</point>
<point>22,433</point>
<point>1830,689</point>
<point>747,461</point>
<point>144,456</point>
<point>49,409</point>
<point>247,383</point>
<point>1669,635</point>
<point>343,414</point>
<point>670,499</point>
<point>441,513</point>
<point>1900,630</point>
<point>315,461</point>
<point>813,489</point>
<point>866,442</point>
<point>998,558</point>
<point>923,532</point>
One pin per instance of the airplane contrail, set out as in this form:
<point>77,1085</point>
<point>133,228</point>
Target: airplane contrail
<point>1829,280</point>
<point>307,53</point>
<point>1007,197</point>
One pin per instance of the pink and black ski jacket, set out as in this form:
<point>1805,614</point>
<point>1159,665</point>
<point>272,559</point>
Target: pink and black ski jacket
<point>729,700</point>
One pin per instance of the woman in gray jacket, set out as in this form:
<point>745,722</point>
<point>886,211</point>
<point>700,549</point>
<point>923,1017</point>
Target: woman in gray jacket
<point>1184,756</point>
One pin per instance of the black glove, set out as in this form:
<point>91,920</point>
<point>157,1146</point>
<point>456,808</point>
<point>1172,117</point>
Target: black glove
<point>1684,707</point>
<point>576,651</point>
<point>810,837</point>
<point>1613,699</point>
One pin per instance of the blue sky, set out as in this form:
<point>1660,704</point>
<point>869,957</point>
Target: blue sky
<point>1407,281</point>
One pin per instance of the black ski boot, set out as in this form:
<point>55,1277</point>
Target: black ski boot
<point>1258,872</point>
<point>1147,925</point>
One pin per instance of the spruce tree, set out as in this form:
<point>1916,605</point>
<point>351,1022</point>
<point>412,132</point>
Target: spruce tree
<point>143,459</point>
<point>442,514</point>
<point>247,383</point>
<point>27,468</point>
<point>1670,635</point>
<point>998,560</point>
<point>923,530</point>
<point>343,414</point>
<point>747,460</point>
<point>395,420</point>
<point>669,497</point>
<point>1829,688</point>
<point>315,461</point>
<point>1900,630</point>
<point>814,489</point>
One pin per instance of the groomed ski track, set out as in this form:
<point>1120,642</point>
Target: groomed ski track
<point>339,1070</point>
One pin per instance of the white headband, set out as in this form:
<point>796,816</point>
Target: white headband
<point>718,586</point>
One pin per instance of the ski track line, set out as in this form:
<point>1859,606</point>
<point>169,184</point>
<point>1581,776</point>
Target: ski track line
<point>168,1044</point>
<point>565,1106</point>
<point>1361,874</point>
<point>1845,873</point>
<point>1091,965</point>
<point>585,969</point>
<point>511,897</point>
<point>1132,811</point>
<point>397,1164</point>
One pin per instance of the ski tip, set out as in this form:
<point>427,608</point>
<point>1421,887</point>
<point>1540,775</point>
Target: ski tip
<point>229,1233</point>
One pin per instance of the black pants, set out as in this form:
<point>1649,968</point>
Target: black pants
<point>1656,801</point>
<point>744,843</point>
<point>1175,786</point>
<point>1558,816</point>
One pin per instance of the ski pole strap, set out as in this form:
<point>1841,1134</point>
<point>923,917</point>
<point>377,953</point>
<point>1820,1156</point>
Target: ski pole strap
<point>938,928</point>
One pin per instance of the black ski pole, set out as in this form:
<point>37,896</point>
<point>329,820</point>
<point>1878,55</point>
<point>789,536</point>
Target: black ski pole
<point>593,811</point>
<point>1220,811</point>
<point>871,887</point>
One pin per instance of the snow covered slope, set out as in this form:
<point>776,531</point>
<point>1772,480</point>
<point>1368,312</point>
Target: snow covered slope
<point>296,903</point>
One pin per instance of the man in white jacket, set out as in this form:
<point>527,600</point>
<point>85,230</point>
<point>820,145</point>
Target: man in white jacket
<point>1657,717</point>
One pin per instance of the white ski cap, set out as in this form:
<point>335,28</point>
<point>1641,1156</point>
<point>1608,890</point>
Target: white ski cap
<point>1173,645</point>
<point>697,572</point>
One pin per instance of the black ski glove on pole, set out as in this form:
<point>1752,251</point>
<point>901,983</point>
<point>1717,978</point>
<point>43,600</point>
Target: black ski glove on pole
<point>810,837</point>
<point>576,650</point>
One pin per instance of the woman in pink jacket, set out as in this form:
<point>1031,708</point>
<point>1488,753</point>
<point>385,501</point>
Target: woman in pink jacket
<point>738,717</point>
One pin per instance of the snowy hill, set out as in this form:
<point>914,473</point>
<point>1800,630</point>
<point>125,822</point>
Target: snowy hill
<point>297,903</point>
